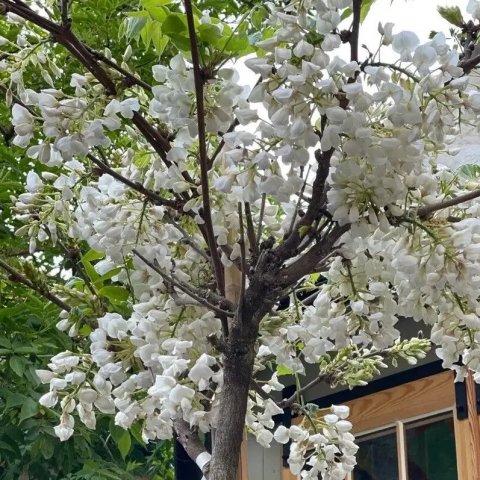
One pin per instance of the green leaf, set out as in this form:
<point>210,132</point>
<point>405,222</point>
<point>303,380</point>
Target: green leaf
<point>5,342</point>
<point>157,13</point>
<point>17,364</point>
<point>174,23</point>
<point>29,409</point>
<point>136,431</point>
<point>470,171</point>
<point>85,331</point>
<point>209,33</point>
<point>114,293</point>
<point>146,33</point>
<point>452,15</point>
<point>92,255</point>
<point>47,446</point>
<point>258,17</point>
<point>182,42</point>
<point>14,399</point>
<point>124,443</point>
<point>283,370</point>
<point>159,40</point>
<point>366,5</point>
<point>155,3</point>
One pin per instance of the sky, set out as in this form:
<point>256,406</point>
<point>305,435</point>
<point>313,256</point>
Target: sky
<point>419,16</point>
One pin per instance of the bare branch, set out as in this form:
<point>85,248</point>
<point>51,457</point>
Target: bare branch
<point>18,277</point>
<point>152,196</point>
<point>393,67</point>
<point>469,64</point>
<point>427,210</point>
<point>243,270</point>
<point>312,257</point>
<point>201,297</point>
<point>221,144</point>
<point>202,143</point>
<point>356,7</point>
<point>288,402</point>
<point>130,78</point>
<point>314,212</point>
<point>66,21</point>
<point>250,229</point>
<point>190,441</point>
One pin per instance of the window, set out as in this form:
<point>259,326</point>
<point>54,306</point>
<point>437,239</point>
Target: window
<point>411,432</point>
<point>423,448</point>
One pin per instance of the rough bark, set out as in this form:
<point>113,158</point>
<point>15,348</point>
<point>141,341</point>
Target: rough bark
<point>233,406</point>
<point>238,369</point>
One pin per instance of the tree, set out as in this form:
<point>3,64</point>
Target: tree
<point>216,247</point>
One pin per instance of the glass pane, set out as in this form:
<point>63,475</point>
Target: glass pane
<point>377,457</point>
<point>431,449</point>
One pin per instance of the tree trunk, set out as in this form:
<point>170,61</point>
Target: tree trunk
<point>231,418</point>
<point>238,368</point>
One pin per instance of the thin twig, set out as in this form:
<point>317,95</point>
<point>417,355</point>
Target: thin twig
<point>395,68</point>
<point>252,241</point>
<point>427,210</point>
<point>243,270</point>
<point>260,221</point>
<point>129,77</point>
<point>297,206</point>
<point>18,277</point>
<point>221,144</point>
<point>138,187</point>
<point>200,297</point>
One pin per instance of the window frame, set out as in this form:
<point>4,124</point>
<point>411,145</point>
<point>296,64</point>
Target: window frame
<point>414,400</point>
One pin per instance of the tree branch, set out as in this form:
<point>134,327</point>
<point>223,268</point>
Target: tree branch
<point>356,7</point>
<point>312,257</point>
<point>427,210</point>
<point>129,77</point>
<point>192,444</point>
<point>138,187</point>
<point>243,270</point>
<point>18,277</point>
<point>314,212</point>
<point>64,12</point>
<point>202,297</point>
<point>395,68</point>
<point>469,64</point>
<point>202,143</point>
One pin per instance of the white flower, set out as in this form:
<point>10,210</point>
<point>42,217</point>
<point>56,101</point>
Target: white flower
<point>163,386</point>
<point>423,58</point>
<point>126,108</point>
<point>114,325</point>
<point>473,8</point>
<point>264,437</point>
<point>281,435</point>
<point>86,415</point>
<point>34,182</point>
<point>44,375</point>
<point>404,43</point>
<point>341,411</point>
<point>65,430</point>
<point>49,399</point>
<point>180,392</point>
<point>201,373</point>
<point>87,395</point>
